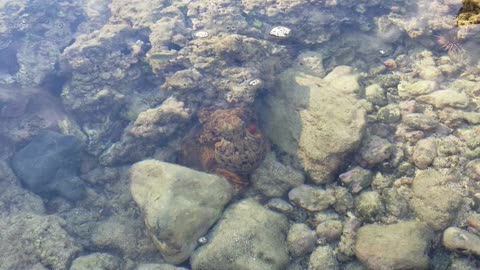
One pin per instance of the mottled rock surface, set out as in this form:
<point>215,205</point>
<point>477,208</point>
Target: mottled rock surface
<point>434,201</point>
<point>399,246</point>
<point>461,241</point>
<point>323,258</point>
<point>179,204</point>
<point>29,240</point>
<point>316,120</point>
<point>312,198</point>
<point>248,237</point>
<point>424,153</point>
<point>301,240</point>
<point>274,179</point>
<point>100,261</point>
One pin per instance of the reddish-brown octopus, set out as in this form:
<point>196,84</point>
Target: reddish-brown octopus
<point>227,142</point>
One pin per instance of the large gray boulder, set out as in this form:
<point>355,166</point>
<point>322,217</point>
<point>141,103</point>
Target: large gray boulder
<point>179,204</point>
<point>316,120</point>
<point>248,237</point>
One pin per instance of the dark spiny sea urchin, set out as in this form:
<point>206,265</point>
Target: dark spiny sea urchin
<point>449,43</point>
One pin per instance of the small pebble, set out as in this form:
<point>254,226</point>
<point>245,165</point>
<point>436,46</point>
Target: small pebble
<point>390,64</point>
<point>201,34</point>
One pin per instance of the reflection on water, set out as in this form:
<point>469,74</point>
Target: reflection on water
<point>239,134</point>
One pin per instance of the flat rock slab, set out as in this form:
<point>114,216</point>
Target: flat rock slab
<point>179,204</point>
<point>399,246</point>
<point>248,237</point>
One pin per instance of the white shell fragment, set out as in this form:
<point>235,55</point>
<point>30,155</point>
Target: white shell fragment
<point>201,34</point>
<point>280,32</point>
<point>202,240</point>
<point>255,82</point>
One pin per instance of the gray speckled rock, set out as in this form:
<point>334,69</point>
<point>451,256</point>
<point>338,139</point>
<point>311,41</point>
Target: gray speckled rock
<point>274,179</point>
<point>154,266</point>
<point>389,114</point>
<point>472,169</point>
<point>323,258</point>
<point>301,240</point>
<point>461,241</point>
<point>374,150</point>
<point>27,240</point>
<point>98,261</point>
<point>376,94</point>
<point>424,153</point>
<point>357,179</point>
<point>312,198</point>
<point>248,237</point>
<point>434,202</point>
<point>399,246</point>
<point>315,120</point>
<point>329,230</point>
<point>49,164</point>
<point>179,204</point>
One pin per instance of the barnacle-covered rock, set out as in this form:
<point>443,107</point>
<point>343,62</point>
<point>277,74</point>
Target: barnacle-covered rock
<point>469,13</point>
<point>32,36</point>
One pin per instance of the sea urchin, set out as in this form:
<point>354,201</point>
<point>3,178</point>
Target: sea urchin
<point>450,44</point>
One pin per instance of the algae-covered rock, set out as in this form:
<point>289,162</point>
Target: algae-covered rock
<point>248,237</point>
<point>100,261</point>
<point>301,240</point>
<point>424,153</point>
<point>312,198</point>
<point>323,258</point>
<point>316,120</point>
<point>179,204</point>
<point>434,201</point>
<point>446,98</point>
<point>469,13</point>
<point>417,88</point>
<point>404,245</point>
<point>369,206</point>
<point>376,94</point>
<point>154,266</point>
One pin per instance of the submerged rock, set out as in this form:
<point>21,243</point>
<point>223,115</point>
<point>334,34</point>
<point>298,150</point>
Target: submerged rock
<point>31,241</point>
<point>424,153</point>
<point>323,258</point>
<point>49,164</point>
<point>274,179</point>
<point>312,198</point>
<point>99,261</point>
<point>316,120</point>
<point>434,201</point>
<point>301,240</point>
<point>248,237</point>
<point>399,246</point>
<point>461,241</point>
<point>179,204</point>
